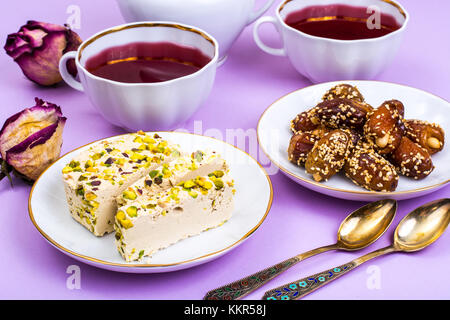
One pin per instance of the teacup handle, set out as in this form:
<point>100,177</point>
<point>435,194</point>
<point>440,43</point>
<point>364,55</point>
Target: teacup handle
<point>261,45</point>
<point>255,15</point>
<point>67,77</point>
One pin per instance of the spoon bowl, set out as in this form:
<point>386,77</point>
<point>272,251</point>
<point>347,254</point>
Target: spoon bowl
<point>422,226</point>
<point>365,225</point>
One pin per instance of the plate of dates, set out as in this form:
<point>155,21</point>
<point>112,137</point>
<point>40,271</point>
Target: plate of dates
<point>359,140</point>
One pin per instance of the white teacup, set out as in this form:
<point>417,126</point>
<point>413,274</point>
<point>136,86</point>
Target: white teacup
<point>223,19</point>
<point>145,106</point>
<point>324,59</point>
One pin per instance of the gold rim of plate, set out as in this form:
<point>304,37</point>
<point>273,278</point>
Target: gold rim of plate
<point>320,185</point>
<point>139,265</point>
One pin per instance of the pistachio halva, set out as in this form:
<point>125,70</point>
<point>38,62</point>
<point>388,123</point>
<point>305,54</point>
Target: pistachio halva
<point>149,191</point>
<point>94,178</point>
<point>155,221</point>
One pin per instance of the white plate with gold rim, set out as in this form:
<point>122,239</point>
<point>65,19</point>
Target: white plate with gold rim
<point>274,135</point>
<point>49,213</point>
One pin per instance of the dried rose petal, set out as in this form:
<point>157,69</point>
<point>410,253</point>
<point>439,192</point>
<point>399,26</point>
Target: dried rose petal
<point>31,139</point>
<point>37,48</point>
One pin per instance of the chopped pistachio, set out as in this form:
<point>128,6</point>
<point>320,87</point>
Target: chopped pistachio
<point>132,211</point>
<point>67,169</point>
<point>120,215</point>
<point>166,172</point>
<point>137,156</point>
<point>129,194</point>
<point>218,183</point>
<point>217,174</point>
<point>148,139</point>
<point>88,164</point>
<point>126,223</point>
<point>153,173</point>
<point>90,196</point>
<point>120,161</point>
<point>207,185</point>
<point>94,205</point>
<point>74,164</point>
<point>189,184</point>
<point>80,191</point>
<point>98,155</point>
<point>193,194</point>
<point>108,171</point>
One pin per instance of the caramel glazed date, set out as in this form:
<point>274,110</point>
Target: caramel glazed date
<point>370,170</point>
<point>329,154</point>
<point>372,145</point>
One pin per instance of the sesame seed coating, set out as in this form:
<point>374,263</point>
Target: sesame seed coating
<point>412,160</point>
<point>329,154</point>
<point>343,90</point>
<point>304,121</point>
<point>368,169</point>
<point>342,113</point>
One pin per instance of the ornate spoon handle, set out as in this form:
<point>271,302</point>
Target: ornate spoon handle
<point>244,286</point>
<point>300,288</point>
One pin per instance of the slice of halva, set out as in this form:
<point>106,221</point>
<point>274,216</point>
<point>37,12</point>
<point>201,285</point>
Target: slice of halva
<point>153,222</point>
<point>94,178</point>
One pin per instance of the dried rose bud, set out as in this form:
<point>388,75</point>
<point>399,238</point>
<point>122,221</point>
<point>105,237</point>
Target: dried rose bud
<point>31,139</point>
<point>37,48</point>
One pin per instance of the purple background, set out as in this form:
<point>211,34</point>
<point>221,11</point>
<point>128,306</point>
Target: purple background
<point>299,219</point>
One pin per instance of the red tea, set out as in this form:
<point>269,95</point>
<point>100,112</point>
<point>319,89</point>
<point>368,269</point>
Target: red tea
<point>340,22</point>
<point>146,62</point>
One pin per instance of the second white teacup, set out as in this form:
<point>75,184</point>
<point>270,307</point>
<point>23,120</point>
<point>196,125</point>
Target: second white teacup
<point>323,59</point>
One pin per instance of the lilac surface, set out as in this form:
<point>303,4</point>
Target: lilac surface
<point>299,220</point>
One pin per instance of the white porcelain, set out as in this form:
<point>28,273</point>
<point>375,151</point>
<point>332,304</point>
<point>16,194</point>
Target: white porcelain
<point>223,19</point>
<point>322,59</point>
<point>274,135</point>
<point>145,106</point>
<point>49,213</point>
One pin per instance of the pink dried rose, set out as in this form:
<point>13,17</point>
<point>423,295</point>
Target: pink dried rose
<point>31,140</point>
<point>37,48</point>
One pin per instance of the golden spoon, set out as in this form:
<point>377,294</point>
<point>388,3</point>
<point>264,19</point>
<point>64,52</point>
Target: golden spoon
<point>361,228</point>
<point>416,231</point>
